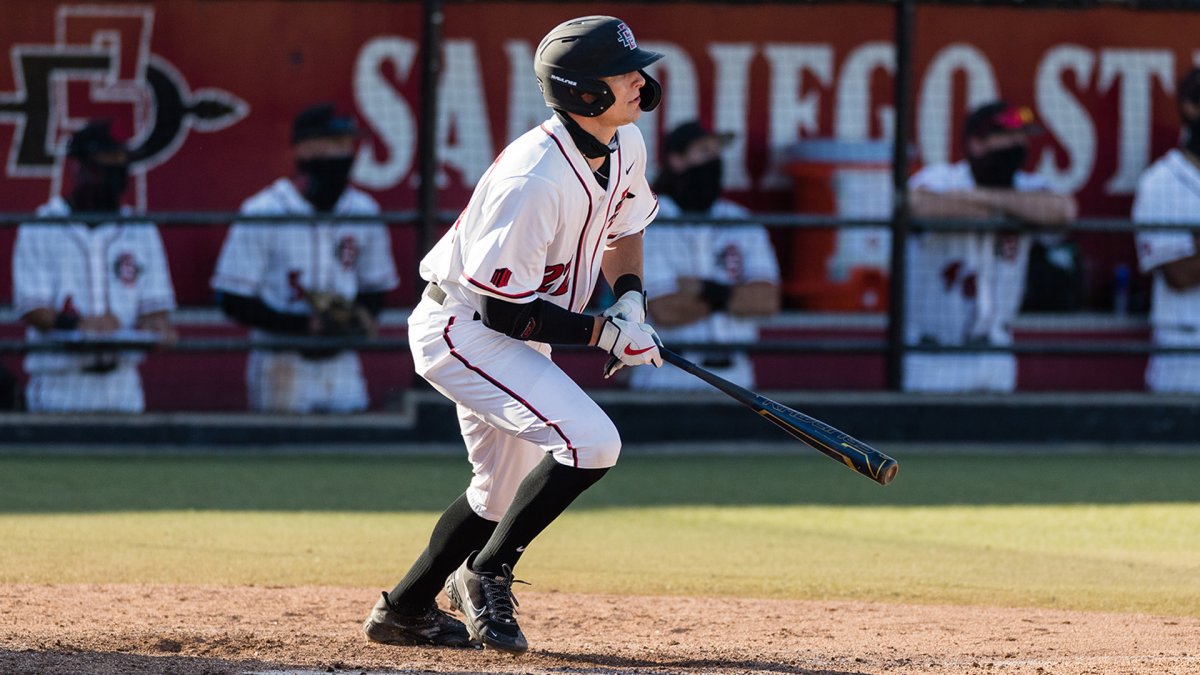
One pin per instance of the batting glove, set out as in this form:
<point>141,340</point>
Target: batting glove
<point>631,306</point>
<point>628,344</point>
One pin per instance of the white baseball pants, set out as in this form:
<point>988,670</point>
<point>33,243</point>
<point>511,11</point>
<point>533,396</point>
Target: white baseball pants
<point>514,403</point>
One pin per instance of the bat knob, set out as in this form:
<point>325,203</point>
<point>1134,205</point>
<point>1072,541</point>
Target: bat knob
<point>888,471</point>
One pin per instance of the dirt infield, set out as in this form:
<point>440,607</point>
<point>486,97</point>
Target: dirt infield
<point>206,630</point>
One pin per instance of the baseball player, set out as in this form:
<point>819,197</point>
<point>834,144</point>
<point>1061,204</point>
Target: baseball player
<point>1169,192</point>
<point>561,204</point>
<point>92,278</point>
<point>706,282</point>
<point>304,278</point>
<point>965,288</point>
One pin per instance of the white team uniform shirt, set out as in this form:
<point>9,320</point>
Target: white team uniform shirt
<point>278,263</point>
<point>728,254</point>
<point>964,288</point>
<point>537,223</point>
<point>109,268</point>
<point>1169,192</point>
<point>536,227</point>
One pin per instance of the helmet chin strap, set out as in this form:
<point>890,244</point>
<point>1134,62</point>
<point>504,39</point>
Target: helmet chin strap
<point>589,145</point>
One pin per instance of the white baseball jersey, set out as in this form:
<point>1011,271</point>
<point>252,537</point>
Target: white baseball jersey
<point>964,288</point>
<point>728,254</point>
<point>109,268</point>
<point>535,227</point>
<point>1169,192</point>
<point>538,221</point>
<point>279,263</point>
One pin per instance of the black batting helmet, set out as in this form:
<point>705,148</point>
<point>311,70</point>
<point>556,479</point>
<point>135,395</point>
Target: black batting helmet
<point>573,57</point>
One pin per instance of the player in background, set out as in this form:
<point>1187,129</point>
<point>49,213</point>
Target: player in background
<point>561,204</point>
<point>95,278</point>
<point>965,288</point>
<point>1169,192</point>
<point>706,282</point>
<point>308,278</point>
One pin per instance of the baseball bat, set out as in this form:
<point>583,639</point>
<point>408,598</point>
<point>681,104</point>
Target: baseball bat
<point>837,445</point>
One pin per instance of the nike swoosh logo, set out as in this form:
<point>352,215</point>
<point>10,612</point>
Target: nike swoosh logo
<point>634,352</point>
<point>629,169</point>
<point>475,613</point>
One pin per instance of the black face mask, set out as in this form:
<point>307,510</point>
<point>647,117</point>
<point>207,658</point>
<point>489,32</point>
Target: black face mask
<point>324,180</point>
<point>100,187</point>
<point>1192,142</point>
<point>697,188</point>
<point>997,168</point>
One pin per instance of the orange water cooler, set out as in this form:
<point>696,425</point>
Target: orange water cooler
<point>838,269</point>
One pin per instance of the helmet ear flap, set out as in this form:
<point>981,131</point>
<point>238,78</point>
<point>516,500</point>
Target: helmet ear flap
<point>651,93</point>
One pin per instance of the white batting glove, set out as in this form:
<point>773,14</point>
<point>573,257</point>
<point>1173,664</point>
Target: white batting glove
<point>631,306</point>
<point>628,344</point>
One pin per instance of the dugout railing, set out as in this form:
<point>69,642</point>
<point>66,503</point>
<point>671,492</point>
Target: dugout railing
<point>908,27</point>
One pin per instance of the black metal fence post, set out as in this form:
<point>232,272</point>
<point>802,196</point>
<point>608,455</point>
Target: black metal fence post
<point>905,10</point>
<point>432,18</point>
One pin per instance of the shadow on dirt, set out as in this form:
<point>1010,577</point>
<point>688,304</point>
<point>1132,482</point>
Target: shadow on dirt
<point>73,662</point>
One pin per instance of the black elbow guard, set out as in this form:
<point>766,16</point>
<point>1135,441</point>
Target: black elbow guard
<point>516,320</point>
<point>539,321</point>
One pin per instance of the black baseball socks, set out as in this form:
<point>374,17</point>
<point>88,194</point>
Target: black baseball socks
<point>457,534</point>
<point>544,494</point>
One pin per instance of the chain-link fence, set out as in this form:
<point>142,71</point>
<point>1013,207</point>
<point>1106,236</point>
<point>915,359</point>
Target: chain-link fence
<point>1038,139</point>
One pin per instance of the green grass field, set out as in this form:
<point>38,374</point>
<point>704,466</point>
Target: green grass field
<point>1088,531</point>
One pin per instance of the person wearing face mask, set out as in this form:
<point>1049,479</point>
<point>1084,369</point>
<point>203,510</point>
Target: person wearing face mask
<point>965,287</point>
<point>705,281</point>
<point>94,279</point>
<point>1169,192</point>
<point>287,278</point>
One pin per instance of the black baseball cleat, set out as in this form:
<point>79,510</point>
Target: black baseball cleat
<point>488,604</point>
<point>429,627</point>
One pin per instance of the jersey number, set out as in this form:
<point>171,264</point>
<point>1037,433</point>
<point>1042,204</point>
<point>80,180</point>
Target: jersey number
<point>551,276</point>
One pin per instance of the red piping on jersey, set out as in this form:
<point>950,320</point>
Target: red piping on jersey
<point>587,221</point>
<point>86,245</point>
<point>489,289</point>
<point>615,189</point>
<point>510,392</point>
<point>108,303</point>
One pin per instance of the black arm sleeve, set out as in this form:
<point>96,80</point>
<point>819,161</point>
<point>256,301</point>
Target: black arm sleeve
<point>254,312</point>
<point>626,283</point>
<point>372,301</point>
<point>539,321</point>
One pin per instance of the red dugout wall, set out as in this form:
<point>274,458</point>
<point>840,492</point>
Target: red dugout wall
<point>207,90</point>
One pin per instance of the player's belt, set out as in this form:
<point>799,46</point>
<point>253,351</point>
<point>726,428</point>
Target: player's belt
<point>435,293</point>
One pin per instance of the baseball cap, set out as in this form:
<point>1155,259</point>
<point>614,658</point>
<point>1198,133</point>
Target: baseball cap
<point>685,134</point>
<point>94,138</point>
<point>1000,116</point>
<point>322,121</point>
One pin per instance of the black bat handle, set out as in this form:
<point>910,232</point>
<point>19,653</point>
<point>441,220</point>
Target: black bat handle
<point>740,394</point>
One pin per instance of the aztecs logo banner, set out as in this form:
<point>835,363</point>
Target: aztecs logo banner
<point>97,62</point>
